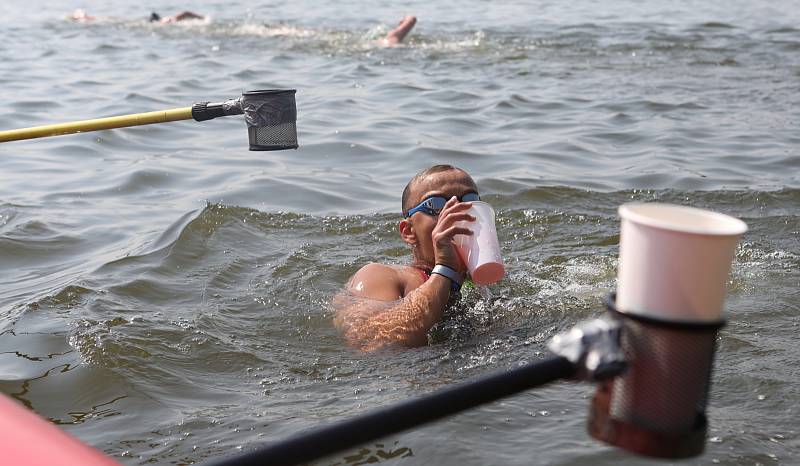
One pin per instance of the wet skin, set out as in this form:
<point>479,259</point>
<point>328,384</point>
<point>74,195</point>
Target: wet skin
<point>396,304</point>
<point>396,35</point>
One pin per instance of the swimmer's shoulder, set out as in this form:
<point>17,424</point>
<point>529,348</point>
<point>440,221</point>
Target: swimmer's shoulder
<point>377,281</point>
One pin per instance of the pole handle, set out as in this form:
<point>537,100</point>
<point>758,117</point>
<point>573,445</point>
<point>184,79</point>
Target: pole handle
<point>202,111</point>
<point>137,119</point>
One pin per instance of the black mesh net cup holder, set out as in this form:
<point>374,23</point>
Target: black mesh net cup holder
<point>657,407</point>
<point>271,117</point>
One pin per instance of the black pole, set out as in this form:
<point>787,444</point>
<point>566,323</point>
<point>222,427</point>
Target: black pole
<point>326,440</point>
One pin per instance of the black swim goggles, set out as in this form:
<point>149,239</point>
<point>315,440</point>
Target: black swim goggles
<point>434,204</point>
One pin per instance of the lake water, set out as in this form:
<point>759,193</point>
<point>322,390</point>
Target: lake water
<point>164,292</point>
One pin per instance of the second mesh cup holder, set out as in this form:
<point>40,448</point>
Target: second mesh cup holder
<point>657,407</point>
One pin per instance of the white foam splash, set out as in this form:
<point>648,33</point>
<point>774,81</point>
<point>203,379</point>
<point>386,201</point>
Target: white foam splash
<point>262,30</point>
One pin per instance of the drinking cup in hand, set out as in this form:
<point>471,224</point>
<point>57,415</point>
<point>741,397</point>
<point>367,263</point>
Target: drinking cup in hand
<point>480,251</point>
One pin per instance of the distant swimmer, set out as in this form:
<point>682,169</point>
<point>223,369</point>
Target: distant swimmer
<point>182,16</point>
<point>384,304</point>
<point>82,16</point>
<point>396,35</point>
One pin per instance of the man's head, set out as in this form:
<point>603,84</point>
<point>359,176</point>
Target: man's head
<point>443,181</point>
<point>411,194</point>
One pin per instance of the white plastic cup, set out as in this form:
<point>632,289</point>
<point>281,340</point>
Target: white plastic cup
<point>674,261</point>
<point>480,251</point>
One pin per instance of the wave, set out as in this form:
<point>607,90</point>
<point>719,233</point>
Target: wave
<point>560,242</point>
<point>233,303</point>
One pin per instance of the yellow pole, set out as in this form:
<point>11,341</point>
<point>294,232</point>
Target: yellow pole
<point>161,116</point>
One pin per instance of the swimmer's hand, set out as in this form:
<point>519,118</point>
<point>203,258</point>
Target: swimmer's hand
<point>445,229</point>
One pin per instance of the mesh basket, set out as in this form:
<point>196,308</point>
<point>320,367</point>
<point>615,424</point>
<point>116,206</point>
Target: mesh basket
<point>271,117</point>
<point>657,407</point>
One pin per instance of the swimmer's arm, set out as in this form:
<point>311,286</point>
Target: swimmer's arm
<point>376,315</point>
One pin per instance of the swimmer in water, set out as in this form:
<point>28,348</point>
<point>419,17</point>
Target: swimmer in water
<point>381,304</point>
<point>393,37</point>
<point>182,16</point>
<point>396,35</point>
<point>82,16</point>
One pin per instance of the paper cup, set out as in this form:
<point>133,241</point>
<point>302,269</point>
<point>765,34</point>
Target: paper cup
<point>674,261</point>
<point>480,251</point>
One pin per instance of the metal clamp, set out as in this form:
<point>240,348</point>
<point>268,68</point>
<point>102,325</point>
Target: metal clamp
<point>593,347</point>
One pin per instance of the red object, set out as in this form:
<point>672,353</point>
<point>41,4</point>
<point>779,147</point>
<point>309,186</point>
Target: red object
<point>425,274</point>
<point>28,440</point>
